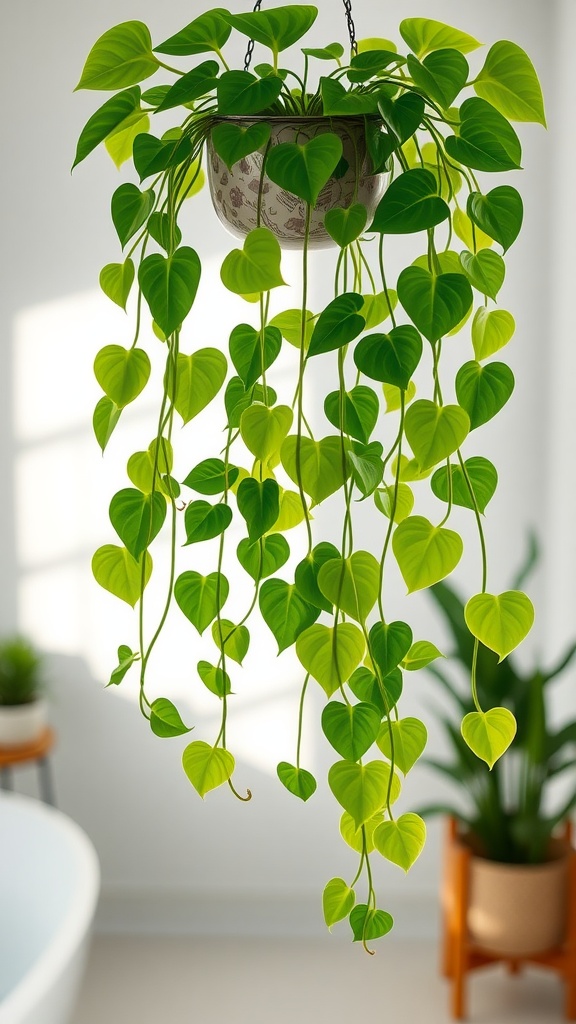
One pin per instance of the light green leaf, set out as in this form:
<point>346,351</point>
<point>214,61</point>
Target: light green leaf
<point>509,82</point>
<point>278,28</point>
<point>147,469</point>
<point>353,836</point>
<point>259,504</point>
<point>425,553</point>
<point>492,329</point>
<point>367,466</point>
<point>122,373</point>
<point>499,213</point>
<point>421,653</point>
<point>233,142</point>
<point>233,640</point>
<point>411,203</point>
<point>338,324</point>
<point>255,267</point>
<point>400,500</point>
<point>378,307</point>
<point>250,356</point>
<point>199,378</point>
<point>360,789</point>
<point>402,840</point>
<point>423,35</point>
<point>263,430</point>
<point>207,32</point>
<point>264,557</point>
<point>165,720</point>
<point>345,225</point>
<point>330,653</point>
<point>500,621</point>
<point>289,324</point>
<point>490,733</point>
<point>297,781</point>
<point>207,767</point>
<point>434,432</point>
<point>390,358</point>
<point>240,92</point>
<point>126,658</point>
<point>483,390</point>
<point>130,210</point>
<point>368,923</point>
<point>304,170</point>
<point>137,518</point>
<point>436,303</point>
<point>285,613</point>
<point>470,234</point>
<point>392,396</point>
<point>389,644</point>
<point>214,679</point>
<point>350,728</point>
<point>352,584</point>
<point>104,420</point>
<point>204,521</point>
<point>120,57</point>
<point>115,570</point>
<point>337,901</point>
<point>486,271</point>
<point>486,141</point>
<point>320,466</point>
<point>331,52</point>
<point>200,598</point>
<point>169,285</point>
<point>483,479</point>
<point>409,737</point>
<point>292,512</point>
<point>112,113</point>
<point>120,143</point>
<point>116,281</point>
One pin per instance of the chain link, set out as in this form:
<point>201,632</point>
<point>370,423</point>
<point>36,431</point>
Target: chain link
<point>349,22</point>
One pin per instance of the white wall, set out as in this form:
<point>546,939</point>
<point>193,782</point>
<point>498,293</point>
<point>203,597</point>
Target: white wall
<point>169,859</point>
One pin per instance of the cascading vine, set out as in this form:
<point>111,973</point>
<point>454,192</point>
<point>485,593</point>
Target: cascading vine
<point>276,465</point>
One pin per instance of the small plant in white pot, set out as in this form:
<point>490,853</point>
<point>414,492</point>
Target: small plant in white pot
<point>22,703</point>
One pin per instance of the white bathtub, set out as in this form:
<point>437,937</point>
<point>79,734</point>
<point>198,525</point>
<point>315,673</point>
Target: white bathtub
<point>49,882</point>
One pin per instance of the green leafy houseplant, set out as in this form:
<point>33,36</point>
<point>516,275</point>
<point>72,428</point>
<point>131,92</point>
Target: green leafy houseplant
<point>19,672</point>
<point>430,126</point>
<point>507,811</point>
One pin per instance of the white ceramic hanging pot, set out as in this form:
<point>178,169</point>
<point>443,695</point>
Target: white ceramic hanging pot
<point>239,192</point>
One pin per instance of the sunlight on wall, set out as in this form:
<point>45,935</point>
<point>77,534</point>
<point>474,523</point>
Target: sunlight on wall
<point>62,491</point>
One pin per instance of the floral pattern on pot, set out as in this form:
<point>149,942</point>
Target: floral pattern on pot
<point>236,193</point>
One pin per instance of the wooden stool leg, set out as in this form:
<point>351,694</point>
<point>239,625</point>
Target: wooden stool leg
<point>46,782</point>
<point>570,956</point>
<point>460,933</point>
<point>6,781</point>
<point>448,899</point>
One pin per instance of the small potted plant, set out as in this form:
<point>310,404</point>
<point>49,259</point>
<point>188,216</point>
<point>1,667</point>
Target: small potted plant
<point>518,872</point>
<point>22,705</point>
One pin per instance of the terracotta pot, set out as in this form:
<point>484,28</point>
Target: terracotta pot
<point>235,193</point>
<point>519,909</point>
<point>21,723</point>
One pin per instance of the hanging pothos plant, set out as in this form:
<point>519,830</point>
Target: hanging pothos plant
<point>395,140</point>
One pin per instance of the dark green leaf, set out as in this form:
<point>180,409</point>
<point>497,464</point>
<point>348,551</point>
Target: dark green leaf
<point>285,613</point>
<point>339,102</point>
<point>402,116</point>
<point>411,203</point>
<point>246,351</point>
<point>137,518</point>
<point>106,118</point>
<point>483,390</point>
<point>331,52</point>
<point>304,169</point>
<point>306,574</point>
<point>486,141</point>
<point>152,155</point>
<point>165,720</point>
<point>355,412</point>
<point>233,142</point>
<point>263,557</point>
<point>350,728</point>
<point>211,477</point>
<point>367,466</point>
<point>485,270</point>
<point>338,324</point>
<point>192,85</point>
<point>169,285</point>
<point>391,358</point>
<point>366,687</point>
<point>122,56</point>
<point>346,225</point>
<point>297,781</point>
<point>200,598</point>
<point>389,644</point>
<point>441,75</point>
<point>105,418</point>
<point>259,504</point>
<point>214,679</point>
<point>368,924</point>
<point>237,398</point>
<point>483,480</point>
<point>367,64</point>
<point>207,32</point>
<point>163,231</point>
<point>239,92</point>
<point>130,210</point>
<point>204,521</point>
<point>436,303</point>
<point>499,214</point>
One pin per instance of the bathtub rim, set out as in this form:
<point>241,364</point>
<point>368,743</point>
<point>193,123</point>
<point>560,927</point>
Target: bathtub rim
<point>74,927</point>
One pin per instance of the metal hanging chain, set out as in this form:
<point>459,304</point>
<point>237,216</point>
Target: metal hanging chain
<point>349,22</point>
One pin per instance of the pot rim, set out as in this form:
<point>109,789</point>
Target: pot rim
<point>298,118</point>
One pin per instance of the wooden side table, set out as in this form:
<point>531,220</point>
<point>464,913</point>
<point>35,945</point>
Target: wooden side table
<point>38,750</point>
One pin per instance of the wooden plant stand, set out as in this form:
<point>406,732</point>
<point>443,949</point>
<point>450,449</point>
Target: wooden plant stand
<point>38,751</point>
<point>460,955</point>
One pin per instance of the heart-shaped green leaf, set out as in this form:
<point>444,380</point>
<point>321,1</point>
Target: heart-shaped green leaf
<point>306,574</point>
<point>152,156</point>
<point>436,303</point>
<point>240,92</point>
<point>319,465</point>
<point>169,285</point>
<point>207,32</point>
<point>199,378</point>
<point>368,924</point>
<point>214,679</point>
<point>378,307</point>
<point>394,501</point>
<point>278,27</point>
<point>259,504</point>
<point>411,203</point>
<point>120,143</point>
<point>285,613</point>
<point>304,169</point>
<point>367,465</point>
<point>337,101</point>
<point>233,142</point>
<point>254,268</point>
<point>346,225</point>
<point>297,781</point>
<point>164,232</point>
<point>120,57</point>
<point>500,621</point>
<point>481,475</point>
<point>355,412</point>
<point>489,733</point>
<point>408,736</point>
<point>382,694</point>
<point>330,653</point>
<point>352,584</point>
<point>130,210</point>
<point>250,355</point>
<point>350,728</point>
<point>137,518</point>
<point>232,640</point>
<point>338,324</point>
<point>111,114</point>
<point>402,116</point>
<point>425,553</point>
<point>424,35</point>
<point>486,141</point>
<point>354,837</point>
<point>441,75</point>
<point>148,470</point>
<point>104,420</point>
<point>337,901</point>
<point>200,598</point>
<point>390,358</point>
<point>211,476</point>
<point>499,213</point>
<point>509,82</point>
<point>434,432</point>
<point>191,86</point>
<point>263,430</point>
<point>389,644</point>
<point>126,658</point>
<point>122,373</point>
<point>204,521</point>
<point>360,789</point>
<point>483,390</point>
<point>165,720</point>
<point>116,280</point>
<point>289,323</point>
<point>207,767</point>
<point>115,570</point>
<point>486,271</point>
<point>264,557</point>
<point>402,840</point>
<point>492,329</point>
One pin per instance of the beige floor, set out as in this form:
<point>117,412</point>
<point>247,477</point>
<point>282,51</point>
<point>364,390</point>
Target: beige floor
<point>192,981</point>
